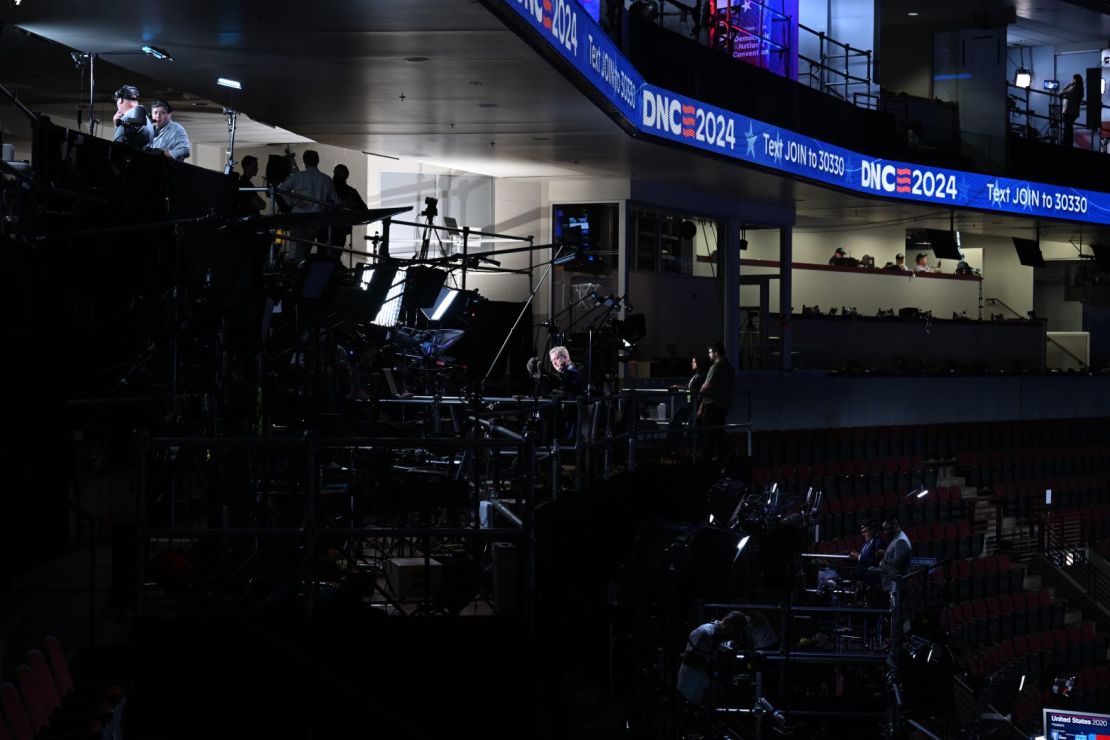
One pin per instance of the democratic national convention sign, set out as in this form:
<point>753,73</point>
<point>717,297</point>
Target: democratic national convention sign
<point>658,112</point>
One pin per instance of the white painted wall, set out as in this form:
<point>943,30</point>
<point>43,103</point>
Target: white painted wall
<point>1004,277</point>
<point>816,247</point>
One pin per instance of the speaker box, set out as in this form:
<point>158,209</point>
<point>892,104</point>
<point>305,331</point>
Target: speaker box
<point>1094,97</point>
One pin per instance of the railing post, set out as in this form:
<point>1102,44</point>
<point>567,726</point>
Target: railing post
<point>635,414</point>
<point>311,442</point>
<point>142,450</point>
<point>579,452</point>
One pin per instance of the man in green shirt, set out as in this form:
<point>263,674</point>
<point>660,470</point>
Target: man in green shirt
<point>716,397</point>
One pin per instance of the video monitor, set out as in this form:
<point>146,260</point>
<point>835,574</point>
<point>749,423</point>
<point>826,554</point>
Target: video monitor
<point>944,244</point>
<point>592,229</point>
<point>1029,252</point>
<point>1065,724</point>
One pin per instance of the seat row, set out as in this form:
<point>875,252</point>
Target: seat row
<point>992,618</point>
<point>839,478</point>
<point>1091,693</point>
<point>47,703</point>
<point>1087,490</point>
<point>987,468</point>
<point>842,515</point>
<point>1040,653</point>
<point>988,576</point>
<point>938,540</point>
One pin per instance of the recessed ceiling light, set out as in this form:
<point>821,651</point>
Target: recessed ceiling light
<point>233,84</point>
<point>912,13</point>
<point>487,105</point>
<point>416,59</point>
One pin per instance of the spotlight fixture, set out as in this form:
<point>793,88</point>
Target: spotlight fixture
<point>1023,77</point>
<point>233,84</point>
<point>160,54</point>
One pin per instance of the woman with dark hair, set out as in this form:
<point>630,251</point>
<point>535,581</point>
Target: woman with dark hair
<point>1071,97</point>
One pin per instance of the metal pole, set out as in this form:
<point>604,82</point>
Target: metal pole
<point>92,92</point>
<point>143,443</point>
<point>465,251</point>
<point>310,522</point>
<point>786,287</point>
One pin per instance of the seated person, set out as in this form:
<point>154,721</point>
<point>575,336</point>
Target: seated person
<point>921,263</point>
<point>565,382</point>
<point>837,255</point>
<point>899,264</point>
<point>566,379</point>
<point>868,555</point>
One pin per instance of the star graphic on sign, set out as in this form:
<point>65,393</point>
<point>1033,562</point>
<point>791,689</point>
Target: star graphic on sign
<point>746,5</point>
<point>752,138</point>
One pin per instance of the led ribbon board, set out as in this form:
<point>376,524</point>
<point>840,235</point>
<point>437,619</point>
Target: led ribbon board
<point>570,31</point>
<point>654,111</point>
<point>687,121</point>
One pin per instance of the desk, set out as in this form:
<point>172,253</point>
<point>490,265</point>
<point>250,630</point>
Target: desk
<point>869,290</point>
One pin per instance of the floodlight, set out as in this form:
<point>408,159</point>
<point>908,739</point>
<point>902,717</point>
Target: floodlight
<point>160,54</point>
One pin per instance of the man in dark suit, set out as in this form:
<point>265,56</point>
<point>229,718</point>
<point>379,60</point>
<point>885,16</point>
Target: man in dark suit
<point>868,555</point>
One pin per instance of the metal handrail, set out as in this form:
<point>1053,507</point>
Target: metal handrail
<point>1048,339</point>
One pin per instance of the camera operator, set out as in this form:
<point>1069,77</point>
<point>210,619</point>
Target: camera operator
<point>705,647</point>
<point>133,126</point>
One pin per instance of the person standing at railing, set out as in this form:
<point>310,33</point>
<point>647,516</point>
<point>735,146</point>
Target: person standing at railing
<point>347,197</point>
<point>169,135</point>
<point>319,195</point>
<point>716,398</point>
<point>895,563</point>
<point>1071,97</point>
<point>249,203</point>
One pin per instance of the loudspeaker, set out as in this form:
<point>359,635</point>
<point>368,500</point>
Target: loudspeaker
<point>1094,97</point>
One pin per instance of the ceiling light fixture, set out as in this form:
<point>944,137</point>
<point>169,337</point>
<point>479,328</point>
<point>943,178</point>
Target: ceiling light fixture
<point>233,84</point>
<point>160,54</point>
<point>1023,77</point>
<point>912,14</point>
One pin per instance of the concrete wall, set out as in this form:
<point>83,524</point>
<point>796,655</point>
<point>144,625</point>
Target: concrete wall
<point>801,402</point>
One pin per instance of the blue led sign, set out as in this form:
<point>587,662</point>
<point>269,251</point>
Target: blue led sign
<point>654,111</point>
<point>570,31</point>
